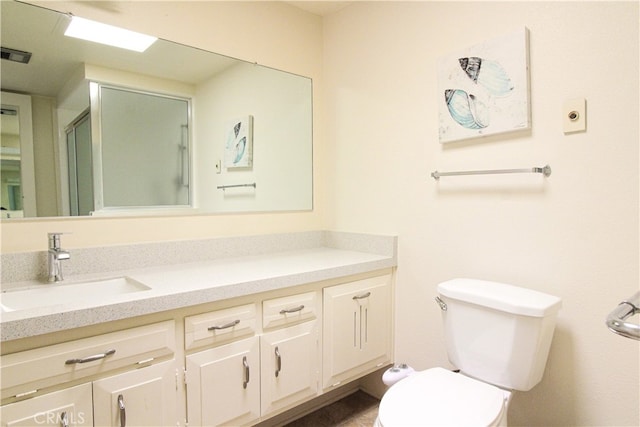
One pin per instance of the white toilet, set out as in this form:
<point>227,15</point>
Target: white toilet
<point>498,336</point>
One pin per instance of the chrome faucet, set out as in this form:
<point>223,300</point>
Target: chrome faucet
<point>54,256</point>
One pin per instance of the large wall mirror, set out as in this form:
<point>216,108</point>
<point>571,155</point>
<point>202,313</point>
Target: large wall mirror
<point>89,129</point>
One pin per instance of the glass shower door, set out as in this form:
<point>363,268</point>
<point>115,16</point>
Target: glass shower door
<point>144,140</point>
<point>80,162</point>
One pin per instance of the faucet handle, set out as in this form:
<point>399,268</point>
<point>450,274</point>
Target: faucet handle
<point>54,239</point>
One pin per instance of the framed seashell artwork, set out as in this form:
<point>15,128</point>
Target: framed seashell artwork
<point>484,89</point>
<point>238,151</point>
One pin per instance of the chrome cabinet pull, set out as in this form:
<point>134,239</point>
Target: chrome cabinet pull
<point>278,362</point>
<point>292,310</point>
<point>246,372</point>
<point>225,326</point>
<point>90,358</point>
<point>362,296</point>
<point>122,411</point>
<point>64,420</point>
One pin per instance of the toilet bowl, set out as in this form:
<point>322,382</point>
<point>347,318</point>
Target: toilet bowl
<point>439,397</point>
<point>498,336</point>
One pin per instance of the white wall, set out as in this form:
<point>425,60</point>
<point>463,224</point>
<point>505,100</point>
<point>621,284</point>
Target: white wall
<point>269,33</point>
<point>281,127</point>
<point>574,234</point>
<point>44,140</point>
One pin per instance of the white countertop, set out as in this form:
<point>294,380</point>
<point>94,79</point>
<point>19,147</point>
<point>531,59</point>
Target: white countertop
<point>184,285</point>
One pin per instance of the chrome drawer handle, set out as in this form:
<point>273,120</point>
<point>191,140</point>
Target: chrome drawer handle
<point>64,420</point>
<point>246,372</point>
<point>292,310</point>
<point>362,296</point>
<point>278,362</point>
<point>90,358</point>
<point>225,326</point>
<point>122,410</point>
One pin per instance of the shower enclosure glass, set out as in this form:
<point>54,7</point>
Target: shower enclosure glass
<point>80,164</point>
<point>142,141</point>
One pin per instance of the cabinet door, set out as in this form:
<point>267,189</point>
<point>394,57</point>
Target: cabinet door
<point>290,366</point>
<point>223,384</point>
<point>68,407</point>
<point>357,328</point>
<point>144,397</point>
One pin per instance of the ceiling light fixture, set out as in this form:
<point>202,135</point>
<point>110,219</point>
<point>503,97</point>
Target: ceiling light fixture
<point>108,34</point>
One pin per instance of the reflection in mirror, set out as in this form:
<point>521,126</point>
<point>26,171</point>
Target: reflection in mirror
<point>79,173</point>
<point>143,149</point>
<point>80,164</point>
<point>16,157</point>
<point>10,172</point>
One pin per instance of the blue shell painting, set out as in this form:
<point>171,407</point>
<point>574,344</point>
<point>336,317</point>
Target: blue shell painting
<point>238,148</point>
<point>484,89</point>
<point>487,73</point>
<point>466,110</point>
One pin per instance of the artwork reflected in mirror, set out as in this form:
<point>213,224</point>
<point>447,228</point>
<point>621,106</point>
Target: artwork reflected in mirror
<point>115,132</point>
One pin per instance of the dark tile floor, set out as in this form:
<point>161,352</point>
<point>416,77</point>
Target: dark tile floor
<point>356,410</point>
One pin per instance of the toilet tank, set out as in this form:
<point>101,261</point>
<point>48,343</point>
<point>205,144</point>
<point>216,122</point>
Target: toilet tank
<point>498,333</point>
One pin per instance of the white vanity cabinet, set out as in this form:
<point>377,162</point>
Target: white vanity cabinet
<point>290,351</point>
<point>357,329</point>
<point>131,352</point>
<point>228,362</point>
<point>223,382</point>
<point>248,371</point>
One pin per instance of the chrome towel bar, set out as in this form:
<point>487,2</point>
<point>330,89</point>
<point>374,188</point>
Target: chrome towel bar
<point>616,320</point>
<point>224,187</point>
<point>545,170</point>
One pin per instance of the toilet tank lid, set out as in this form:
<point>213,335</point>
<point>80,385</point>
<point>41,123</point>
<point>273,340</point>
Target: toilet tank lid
<point>501,296</point>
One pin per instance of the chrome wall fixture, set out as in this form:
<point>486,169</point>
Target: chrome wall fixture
<point>617,319</point>
<point>224,187</point>
<point>545,170</point>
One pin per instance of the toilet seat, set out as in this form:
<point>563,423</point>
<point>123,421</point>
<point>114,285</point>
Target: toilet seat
<point>440,397</point>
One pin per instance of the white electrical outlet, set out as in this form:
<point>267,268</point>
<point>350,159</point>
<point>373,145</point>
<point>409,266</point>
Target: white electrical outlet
<point>575,115</point>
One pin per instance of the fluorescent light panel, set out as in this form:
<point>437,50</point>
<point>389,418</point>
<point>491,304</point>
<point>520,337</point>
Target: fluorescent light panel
<point>108,34</point>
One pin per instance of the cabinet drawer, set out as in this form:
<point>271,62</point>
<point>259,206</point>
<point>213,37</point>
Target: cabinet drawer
<point>72,404</point>
<point>220,326</point>
<point>28,371</point>
<point>289,310</point>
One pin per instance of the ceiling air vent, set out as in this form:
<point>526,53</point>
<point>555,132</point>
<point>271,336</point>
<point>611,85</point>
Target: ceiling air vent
<point>8,111</point>
<point>16,55</point>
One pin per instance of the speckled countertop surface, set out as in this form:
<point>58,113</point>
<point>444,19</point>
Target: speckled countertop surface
<point>187,284</point>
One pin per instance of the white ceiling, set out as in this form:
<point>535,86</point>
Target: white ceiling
<point>55,57</point>
<point>51,63</point>
<point>321,8</point>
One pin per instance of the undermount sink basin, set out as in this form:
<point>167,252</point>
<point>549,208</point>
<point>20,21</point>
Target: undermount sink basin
<point>53,294</point>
